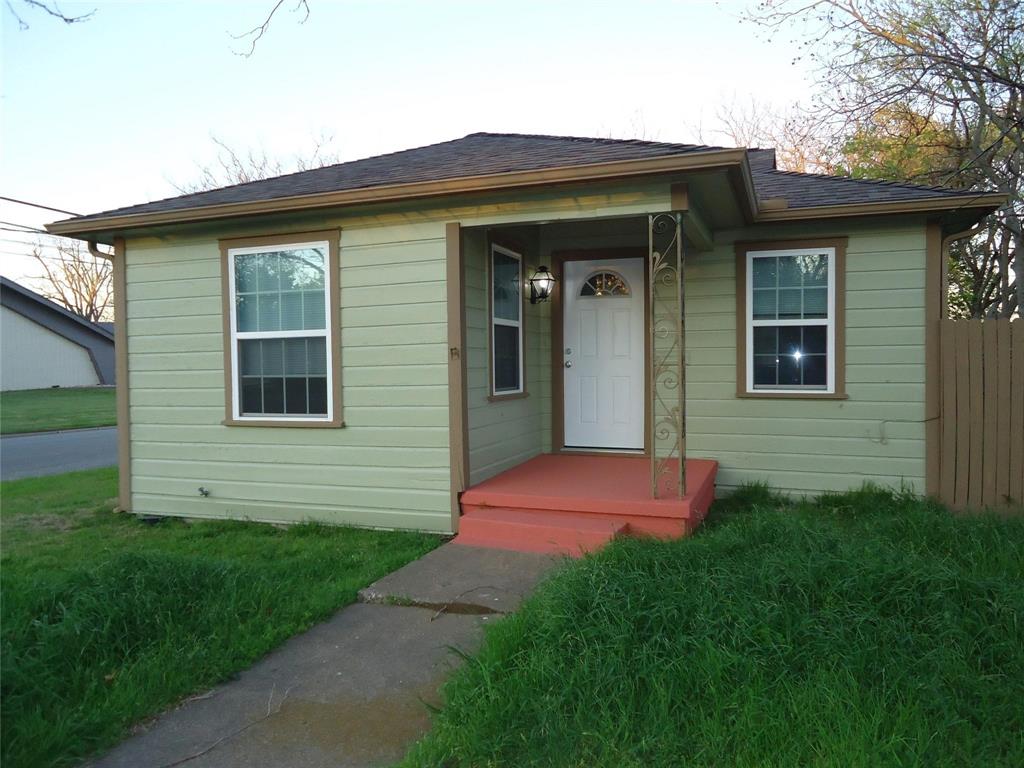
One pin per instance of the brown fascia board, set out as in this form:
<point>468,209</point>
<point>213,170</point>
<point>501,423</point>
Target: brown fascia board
<point>744,183</point>
<point>987,201</point>
<point>414,190</point>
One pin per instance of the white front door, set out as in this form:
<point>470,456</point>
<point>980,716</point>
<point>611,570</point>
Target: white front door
<point>603,353</point>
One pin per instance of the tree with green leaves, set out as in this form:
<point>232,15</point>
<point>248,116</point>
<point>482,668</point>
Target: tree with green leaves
<point>899,143</point>
<point>929,91</point>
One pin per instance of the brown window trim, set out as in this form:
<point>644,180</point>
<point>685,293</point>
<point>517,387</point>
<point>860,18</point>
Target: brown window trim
<point>492,398</point>
<point>517,248</point>
<point>333,238</point>
<point>742,249</point>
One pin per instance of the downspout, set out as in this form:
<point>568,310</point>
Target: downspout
<point>935,315</point>
<point>944,253</point>
<point>97,253</point>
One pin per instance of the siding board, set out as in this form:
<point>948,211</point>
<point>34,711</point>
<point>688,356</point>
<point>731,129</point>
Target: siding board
<point>504,433</point>
<point>294,512</point>
<point>810,446</point>
<point>363,478</point>
<point>261,453</point>
<point>387,467</point>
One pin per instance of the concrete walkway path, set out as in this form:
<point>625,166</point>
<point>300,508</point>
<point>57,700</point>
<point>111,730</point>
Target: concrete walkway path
<point>51,453</point>
<point>354,690</point>
<point>458,579</point>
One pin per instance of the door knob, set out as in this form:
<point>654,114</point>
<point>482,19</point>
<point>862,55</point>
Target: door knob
<point>568,363</point>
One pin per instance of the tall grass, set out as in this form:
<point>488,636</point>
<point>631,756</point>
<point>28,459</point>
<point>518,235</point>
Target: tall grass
<point>867,628</point>
<point>105,620</point>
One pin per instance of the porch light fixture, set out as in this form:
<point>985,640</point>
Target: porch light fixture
<point>541,285</point>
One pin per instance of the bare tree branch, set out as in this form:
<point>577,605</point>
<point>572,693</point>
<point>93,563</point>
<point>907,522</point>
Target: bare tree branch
<point>794,134</point>
<point>52,9</point>
<point>255,34</point>
<point>76,279</point>
<point>234,166</point>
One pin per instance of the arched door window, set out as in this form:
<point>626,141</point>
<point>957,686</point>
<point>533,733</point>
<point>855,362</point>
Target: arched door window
<point>603,284</point>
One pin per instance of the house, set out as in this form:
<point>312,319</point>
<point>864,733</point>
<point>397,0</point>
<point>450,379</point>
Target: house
<point>380,343</point>
<point>42,344</point>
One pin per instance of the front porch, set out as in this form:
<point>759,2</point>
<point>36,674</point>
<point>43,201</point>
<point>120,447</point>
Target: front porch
<point>569,401</point>
<point>574,503</point>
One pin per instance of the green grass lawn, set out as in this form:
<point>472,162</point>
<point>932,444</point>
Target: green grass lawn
<point>106,620</point>
<point>37,410</point>
<point>866,629</point>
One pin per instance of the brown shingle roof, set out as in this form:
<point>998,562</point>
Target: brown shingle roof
<point>809,190</point>
<point>475,155</point>
<point>480,154</point>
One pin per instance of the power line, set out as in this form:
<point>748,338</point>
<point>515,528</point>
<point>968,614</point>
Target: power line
<point>23,228</point>
<point>40,242</point>
<point>42,246</point>
<point>14,253</point>
<point>48,257</point>
<point>33,244</point>
<point>37,205</point>
<point>64,258</point>
<point>27,242</point>
<point>32,255</point>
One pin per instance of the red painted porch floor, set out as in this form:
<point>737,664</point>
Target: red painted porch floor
<point>572,503</point>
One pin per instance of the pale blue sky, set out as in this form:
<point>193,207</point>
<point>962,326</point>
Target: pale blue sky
<point>109,112</point>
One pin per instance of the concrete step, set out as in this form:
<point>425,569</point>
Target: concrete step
<point>530,530</point>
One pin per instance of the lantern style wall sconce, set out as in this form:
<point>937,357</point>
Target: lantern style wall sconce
<point>541,285</point>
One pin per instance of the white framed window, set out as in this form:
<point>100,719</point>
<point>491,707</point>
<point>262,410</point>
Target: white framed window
<point>791,321</point>
<point>506,286</point>
<point>282,334</point>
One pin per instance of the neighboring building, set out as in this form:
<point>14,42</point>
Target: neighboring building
<point>42,344</point>
<point>386,304</point>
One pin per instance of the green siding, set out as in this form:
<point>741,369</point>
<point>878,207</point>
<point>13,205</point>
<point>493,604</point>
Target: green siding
<point>506,432</point>
<point>389,466</point>
<point>799,446</point>
<point>804,446</point>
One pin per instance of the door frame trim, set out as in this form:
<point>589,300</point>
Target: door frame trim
<point>558,259</point>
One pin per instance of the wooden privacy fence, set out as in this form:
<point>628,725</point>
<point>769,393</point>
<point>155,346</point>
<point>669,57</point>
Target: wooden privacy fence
<point>981,413</point>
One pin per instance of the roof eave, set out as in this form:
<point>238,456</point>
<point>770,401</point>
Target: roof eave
<point>734,160</point>
<point>84,229</point>
<point>986,202</point>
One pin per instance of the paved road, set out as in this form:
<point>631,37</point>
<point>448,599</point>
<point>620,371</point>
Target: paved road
<point>50,453</point>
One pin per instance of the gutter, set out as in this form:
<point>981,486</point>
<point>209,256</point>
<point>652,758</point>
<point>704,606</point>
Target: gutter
<point>987,200</point>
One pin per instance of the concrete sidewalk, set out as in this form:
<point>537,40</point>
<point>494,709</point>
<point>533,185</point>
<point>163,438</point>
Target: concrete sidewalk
<point>354,690</point>
<point>458,579</point>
